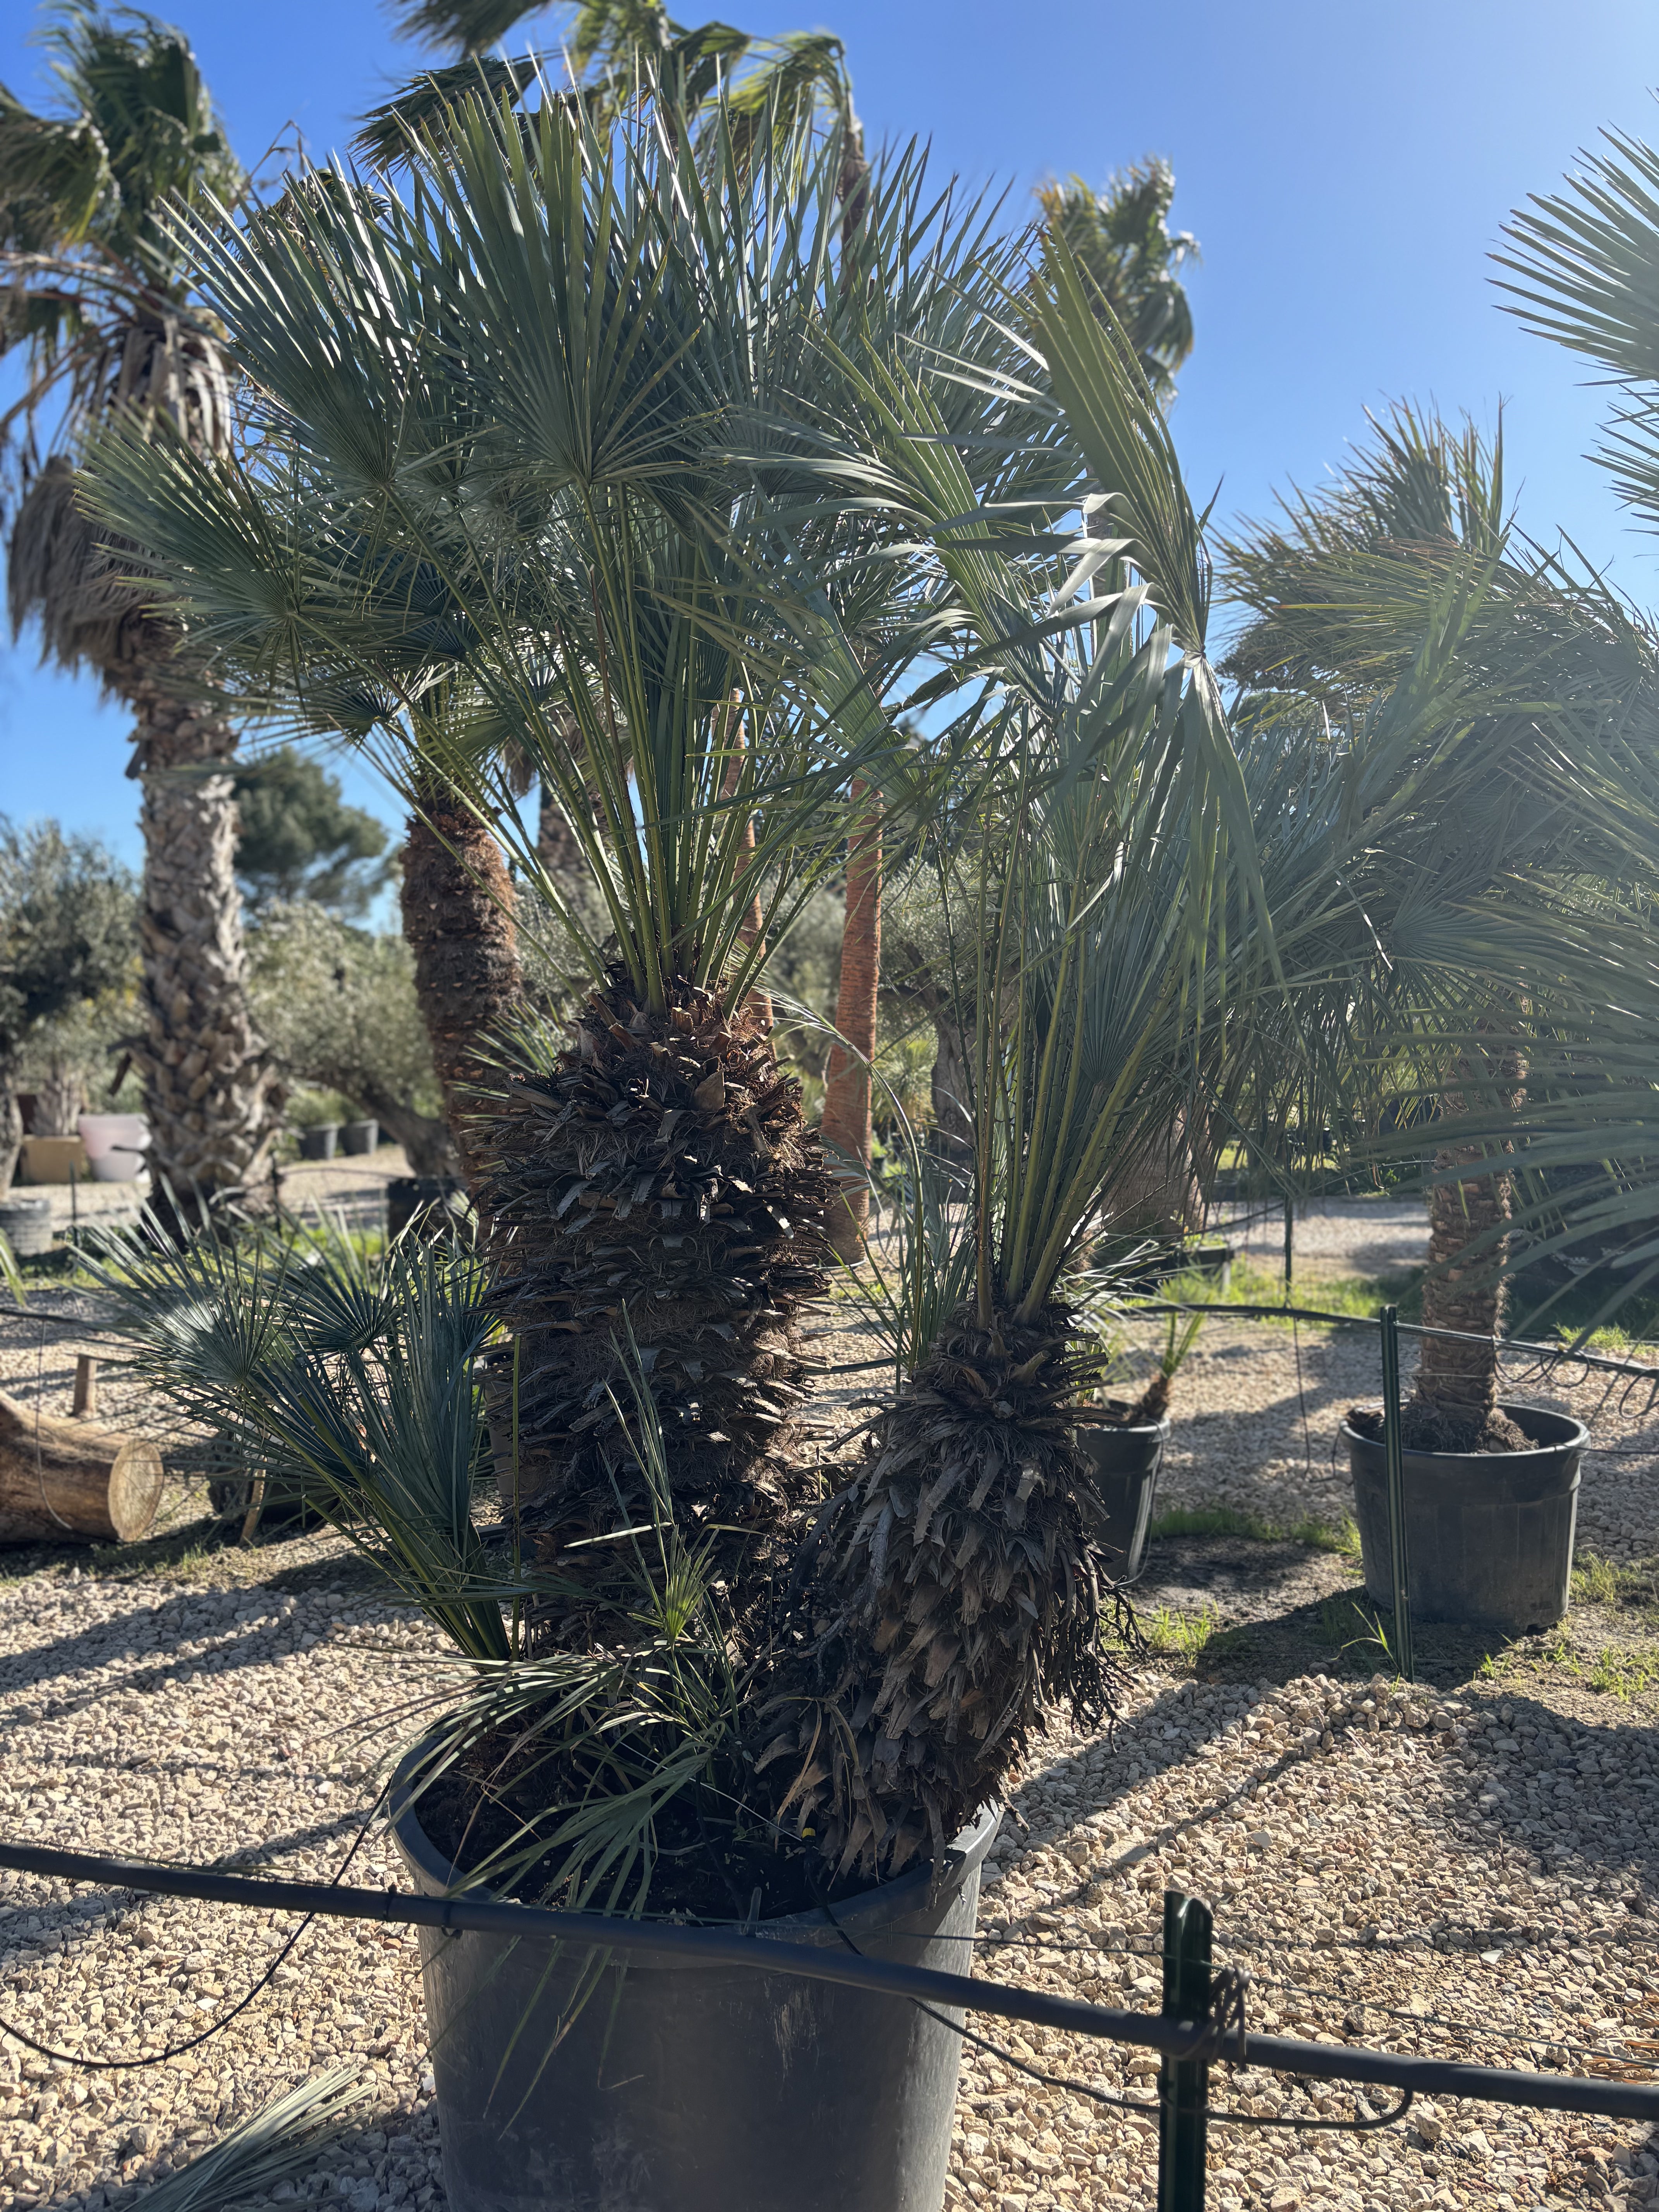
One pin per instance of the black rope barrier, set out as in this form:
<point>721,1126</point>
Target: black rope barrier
<point>1177,2039</point>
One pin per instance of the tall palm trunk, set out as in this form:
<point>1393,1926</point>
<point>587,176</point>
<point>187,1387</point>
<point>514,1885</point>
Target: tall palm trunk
<point>556,847</point>
<point>209,1089</point>
<point>846,1128</point>
<point>457,919</point>
<point>759,1001</point>
<point>11,1124</point>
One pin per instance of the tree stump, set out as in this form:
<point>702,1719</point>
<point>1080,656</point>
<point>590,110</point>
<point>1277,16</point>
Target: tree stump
<point>65,1482</point>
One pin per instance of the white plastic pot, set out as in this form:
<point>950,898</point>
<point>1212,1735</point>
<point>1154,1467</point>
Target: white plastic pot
<point>115,1144</point>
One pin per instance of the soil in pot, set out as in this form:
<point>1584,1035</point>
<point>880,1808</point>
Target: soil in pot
<point>1429,1429</point>
<point>675,2088</point>
<point>706,1868</point>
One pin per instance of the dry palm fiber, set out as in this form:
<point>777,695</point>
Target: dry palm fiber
<point>656,1179</point>
<point>959,1597</point>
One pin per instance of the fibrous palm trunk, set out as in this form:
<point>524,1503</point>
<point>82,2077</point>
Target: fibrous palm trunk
<point>845,1124</point>
<point>210,1094</point>
<point>658,1181</point>
<point>961,1596</point>
<point>1454,1404</point>
<point>457,919</point>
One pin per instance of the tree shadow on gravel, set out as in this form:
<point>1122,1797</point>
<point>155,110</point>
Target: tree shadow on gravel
<point>104,1644</point>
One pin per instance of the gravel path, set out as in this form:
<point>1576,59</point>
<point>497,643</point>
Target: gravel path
<point>1334,1237</point>
<point>1483,1851</point>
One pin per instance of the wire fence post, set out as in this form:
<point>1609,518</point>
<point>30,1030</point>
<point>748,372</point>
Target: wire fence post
<point>1290,1240</point>
<point>1394,1455</point>
<point>1183,2084</point>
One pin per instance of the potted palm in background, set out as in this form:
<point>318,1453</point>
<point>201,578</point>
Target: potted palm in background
<point>1339,587</point>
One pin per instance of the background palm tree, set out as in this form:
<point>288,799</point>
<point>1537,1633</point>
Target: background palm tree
<point>98,299</point>
<point>1340,584</point>
<point>1120,239</point>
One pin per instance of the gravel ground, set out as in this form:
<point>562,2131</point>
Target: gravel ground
<point>1334,1237</point>
<point>1483,1851</point>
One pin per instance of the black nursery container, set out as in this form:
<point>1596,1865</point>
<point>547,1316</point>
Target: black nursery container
<point>687,2088</point>
<point>1488,1535</point>
<point>1126,1461</point>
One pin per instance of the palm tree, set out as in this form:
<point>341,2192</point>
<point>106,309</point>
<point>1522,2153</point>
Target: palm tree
<point>1338,585</point>
<point>1183,912</point>
<point>99,298</point>
<point>598,346</point>
<point>721,83</point>
<point>1120,239</point>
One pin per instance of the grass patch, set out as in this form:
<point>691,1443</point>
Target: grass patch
<point>1228,1520</point>
<point>1177,1635</point>
<point>1357,1297</point>
<point>1351,1627</point>
<point>1624,1673</point>
<point>179,1555</point>
<point>1635,1330</point>
<point>1596,1581</point>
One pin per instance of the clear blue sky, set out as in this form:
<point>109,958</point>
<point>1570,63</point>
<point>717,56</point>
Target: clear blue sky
<point>1345,167</point>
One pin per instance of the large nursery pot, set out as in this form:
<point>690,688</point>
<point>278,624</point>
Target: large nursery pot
<point>115,1144</point>
<point>685,2088</point>
<point>1488,1535</point>
<point>26,1225</point>
<point>317,1143</point>
<point>356,1137</point>
<point>1126,1460</point>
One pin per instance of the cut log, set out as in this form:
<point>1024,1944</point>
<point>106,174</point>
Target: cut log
<point>66,1482</point>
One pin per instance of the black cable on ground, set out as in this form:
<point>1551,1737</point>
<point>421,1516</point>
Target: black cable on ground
<point>218,2027</point>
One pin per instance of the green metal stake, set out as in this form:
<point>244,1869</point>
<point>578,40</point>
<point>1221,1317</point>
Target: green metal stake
<point>1290,1239</point>
<point>1393,1455</point>
<point>1183,2084</point>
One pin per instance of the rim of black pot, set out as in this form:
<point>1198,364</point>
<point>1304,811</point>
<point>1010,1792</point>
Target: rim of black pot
<point>1533,1451</point>
<point>972,1843</point>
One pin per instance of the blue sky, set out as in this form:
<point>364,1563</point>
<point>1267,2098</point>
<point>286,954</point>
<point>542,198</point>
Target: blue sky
<point>1345,168</point>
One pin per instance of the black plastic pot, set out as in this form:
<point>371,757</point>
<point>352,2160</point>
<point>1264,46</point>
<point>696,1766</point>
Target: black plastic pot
<point>683,2088</point>
<point>434,1202</point>
<point>1126,1461</point>
<point>359,1136</point>
<point>1488,1535</point>
<point>26,1225</point>
<point>318,1143</point>
<point>1213,1260</point>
